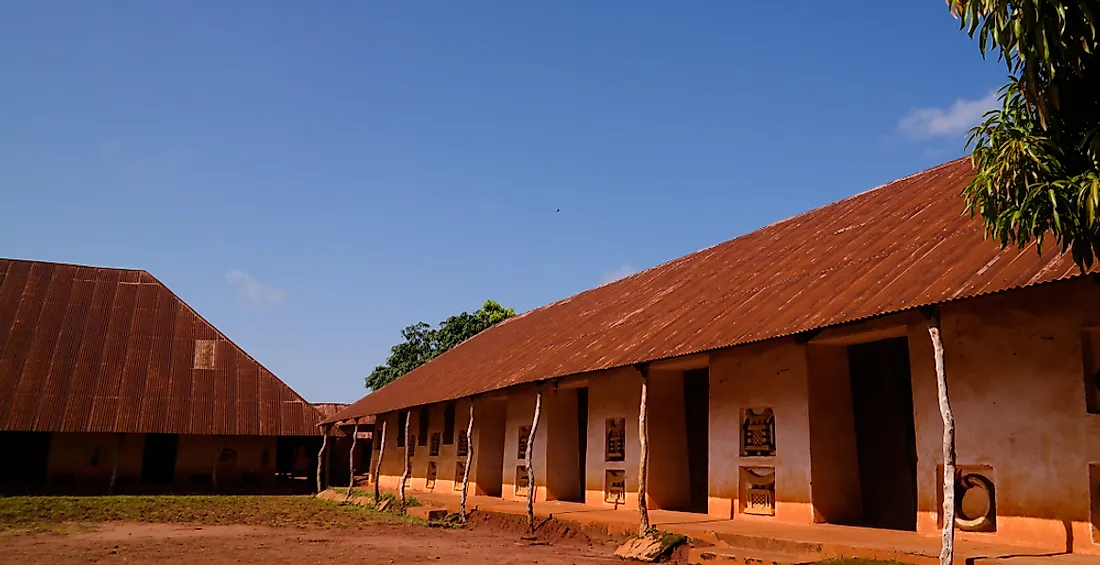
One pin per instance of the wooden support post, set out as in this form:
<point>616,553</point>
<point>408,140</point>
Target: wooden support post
<point>469,460</point>
<point>114,464</point>
<point>351,460</point>
<point>378,464</point>
<point>947,548</point>
<point>408,462</point>
<point>643,452</point>
<point>321,457</point>
<point>528,461</point>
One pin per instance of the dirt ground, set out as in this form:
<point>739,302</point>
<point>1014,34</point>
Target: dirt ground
<point>489,539</point>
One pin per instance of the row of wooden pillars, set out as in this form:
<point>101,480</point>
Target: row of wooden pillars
<point>932,320</point>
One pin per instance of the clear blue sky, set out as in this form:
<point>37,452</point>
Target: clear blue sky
<point>313,176</point>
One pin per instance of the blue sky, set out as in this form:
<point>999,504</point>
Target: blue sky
<point>313,176</point>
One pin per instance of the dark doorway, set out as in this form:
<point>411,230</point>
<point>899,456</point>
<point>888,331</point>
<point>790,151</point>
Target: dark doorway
<point>32,451</point>
<point>158,459</point>
<point>882,403</point>
<point>697,414</point>
<point>582,439</point>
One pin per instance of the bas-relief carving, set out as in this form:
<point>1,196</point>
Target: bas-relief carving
<point>524,435</point>
<point>463,445</point>
<point>433,447</point>
<point>614,486</point>
<point>975,499</point>
<point>758,490</point>
<point>430,482</point>
<point>521,480</point>
<point>460,470</point>
<point>758,432</point>
<point>615,444</point>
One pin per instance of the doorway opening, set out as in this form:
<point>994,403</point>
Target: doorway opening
<point>697,415</point>
<point>582,441</point>
<point>882,407</point>
<point>158,459</point>
<point>33,452</point>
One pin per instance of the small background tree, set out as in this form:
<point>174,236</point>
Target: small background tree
<point>423,342</point>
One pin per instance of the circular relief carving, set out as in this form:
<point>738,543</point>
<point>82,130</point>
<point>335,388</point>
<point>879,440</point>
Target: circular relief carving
<point>975,506</point>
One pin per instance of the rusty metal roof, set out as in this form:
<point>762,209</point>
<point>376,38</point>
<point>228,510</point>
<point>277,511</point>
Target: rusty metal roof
<point>897,247</point>
<point>87,349</point>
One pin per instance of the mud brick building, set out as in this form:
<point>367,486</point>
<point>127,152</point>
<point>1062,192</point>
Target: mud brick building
<point>790,380</point>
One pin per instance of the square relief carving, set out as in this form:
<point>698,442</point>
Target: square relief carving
<point>757,432</point>
<point>463,445</point>
<point>433,446</point>
<point>614,486</point>
<point>615,445</point>
<point>460,470</point>
<point>524,434</point>
<point>758,491</point>
<point>521,480</point>
<point>430,482</point>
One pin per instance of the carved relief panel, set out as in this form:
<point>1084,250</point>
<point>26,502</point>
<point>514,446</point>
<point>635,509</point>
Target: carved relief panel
<point>614,486</point>
<point>430,483</point>
<point>758,491</point>
<point>463,444</point>
<point>757,432</point>
<point>433,446</point>
<point>615,445</point>
<point>524,434</point>
<point>975,498</point>
<point>460,470</point>
<point>521,480</point>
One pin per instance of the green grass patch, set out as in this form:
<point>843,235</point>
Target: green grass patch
<point>410,501</point>
<point>56,513</point>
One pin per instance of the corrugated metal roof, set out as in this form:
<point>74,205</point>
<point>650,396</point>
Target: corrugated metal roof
<point>88,349</point>
<point>903,245</point>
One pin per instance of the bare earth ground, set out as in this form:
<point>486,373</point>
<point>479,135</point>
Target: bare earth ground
<point>216,545</point>
<point>211,538</point>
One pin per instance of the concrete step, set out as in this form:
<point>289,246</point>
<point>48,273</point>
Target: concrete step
<point>742,556</point>
<point>810,551</point>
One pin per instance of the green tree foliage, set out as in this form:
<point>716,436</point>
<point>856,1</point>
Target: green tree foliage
<point>423,342</point>
<point>1037,158</point>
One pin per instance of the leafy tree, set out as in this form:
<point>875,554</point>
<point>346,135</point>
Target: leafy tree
<point>423,343</point>
<point>1037,158</point>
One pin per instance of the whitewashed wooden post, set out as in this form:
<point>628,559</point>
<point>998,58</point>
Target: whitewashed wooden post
<point>114,464</point>
<point>378,464</point>
<point>643,452</point>
<point>947,549</point>
<point>351,460</point>
<point>528,462</point>
<point>469,461</point>
<point>321,456</point>
<point>408,461</point>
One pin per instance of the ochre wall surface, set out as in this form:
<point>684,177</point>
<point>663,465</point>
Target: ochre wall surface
<point>834,469</point>
<point>668,480</point>
<point>74,453</point>
<point>612,394</point>
<point>1014,366</point>
<point>393,463</point>
<point>764,375</point>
